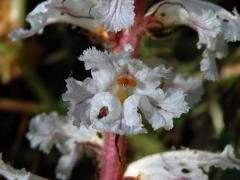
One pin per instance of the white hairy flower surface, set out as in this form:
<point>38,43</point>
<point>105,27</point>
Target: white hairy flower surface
<point>214,25</point>
<point>48,130</point>
<point>121,93</point>
<point>192,87</point>
<point>75,12</point>
<point>92,15</point>
<point>11,173</point>
<point>182,165</point>
<point>115,15</point>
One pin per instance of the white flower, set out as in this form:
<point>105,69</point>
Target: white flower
<point>115,14</point>
<point>74,12</point>
<point>120,89</point>
<point>92,15</point>
<point>192,87</point>
<point>183,164</point>
<point>213,24</point>
<point>11,173</point>
<point>52,129</point>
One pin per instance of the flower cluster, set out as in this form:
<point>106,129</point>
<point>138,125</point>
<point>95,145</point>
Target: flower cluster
<point>214,25</point>
<point>121,94</point>
<point>47,130</point>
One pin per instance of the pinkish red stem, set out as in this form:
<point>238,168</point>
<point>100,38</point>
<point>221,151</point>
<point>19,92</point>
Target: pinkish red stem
<point>114,151</point>
<point>134,34</point>
<point>113,163</point>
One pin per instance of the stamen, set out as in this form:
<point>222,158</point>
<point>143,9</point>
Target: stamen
<point>101,31</point>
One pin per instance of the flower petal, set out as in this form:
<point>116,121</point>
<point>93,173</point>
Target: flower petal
<point>161,108</point>
<point>207,25</point>
<point>208,66</point>
<point>51,129</point>
<point>44,131</point>
<point>79,94</point>
<point>191,86</point>
<point>66,164</point>
<point>147,79</point>
<point>102,66</point>
<point>105,112</point>
<point>231,25</point>
<point>164,71</point>
<point>115,15</point>
<point>10,173</point>
<point>132,121</point>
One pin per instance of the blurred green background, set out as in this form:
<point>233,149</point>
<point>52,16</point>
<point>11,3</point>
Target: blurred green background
<point>32,74</point>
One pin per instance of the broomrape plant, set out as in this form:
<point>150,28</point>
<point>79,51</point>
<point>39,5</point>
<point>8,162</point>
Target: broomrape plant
<point>123,93</point>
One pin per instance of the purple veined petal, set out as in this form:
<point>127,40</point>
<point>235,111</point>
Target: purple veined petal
<point>75,12</point>
<point>182,165</point>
